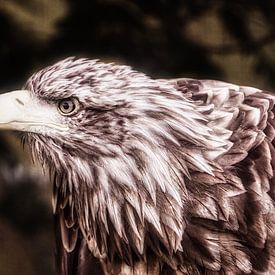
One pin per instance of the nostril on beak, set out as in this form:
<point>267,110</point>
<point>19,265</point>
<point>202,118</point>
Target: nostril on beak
<point>19,101</point>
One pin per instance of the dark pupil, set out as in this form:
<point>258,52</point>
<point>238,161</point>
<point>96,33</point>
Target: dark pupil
<point>66,105</point>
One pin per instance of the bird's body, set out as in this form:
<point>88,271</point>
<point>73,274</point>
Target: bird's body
<point>156,176</point>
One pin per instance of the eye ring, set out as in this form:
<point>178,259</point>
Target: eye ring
<point>68,106</point>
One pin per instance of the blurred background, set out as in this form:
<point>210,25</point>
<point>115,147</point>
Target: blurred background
<point>232,41</point>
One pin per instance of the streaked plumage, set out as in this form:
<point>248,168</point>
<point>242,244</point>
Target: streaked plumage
<point>158,176</point>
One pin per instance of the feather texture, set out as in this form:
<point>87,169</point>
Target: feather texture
<point>159,176</point>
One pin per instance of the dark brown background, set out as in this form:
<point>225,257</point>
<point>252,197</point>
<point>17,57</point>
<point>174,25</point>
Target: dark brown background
<point>228,40</point>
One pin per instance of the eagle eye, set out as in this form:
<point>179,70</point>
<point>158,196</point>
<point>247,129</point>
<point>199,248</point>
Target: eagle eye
<point>68,106</point>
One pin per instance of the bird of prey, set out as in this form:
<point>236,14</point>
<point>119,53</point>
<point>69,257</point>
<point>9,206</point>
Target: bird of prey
<point>151,176</point>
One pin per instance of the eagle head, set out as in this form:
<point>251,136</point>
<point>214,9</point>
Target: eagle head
<point>79,112</point>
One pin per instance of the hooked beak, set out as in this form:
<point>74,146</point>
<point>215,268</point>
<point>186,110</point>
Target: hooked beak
<point>21,111</point>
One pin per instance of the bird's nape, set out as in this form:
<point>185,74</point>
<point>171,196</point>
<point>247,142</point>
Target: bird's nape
<point>151,176</point>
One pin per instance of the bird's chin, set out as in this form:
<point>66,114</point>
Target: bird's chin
<point>32,127</point>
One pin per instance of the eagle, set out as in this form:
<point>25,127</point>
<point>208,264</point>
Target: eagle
<point>151,176</point>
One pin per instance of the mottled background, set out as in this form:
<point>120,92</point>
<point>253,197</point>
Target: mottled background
<point>228,40</point>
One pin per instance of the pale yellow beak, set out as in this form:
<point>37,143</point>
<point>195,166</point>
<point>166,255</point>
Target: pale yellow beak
<point>22,111</point>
